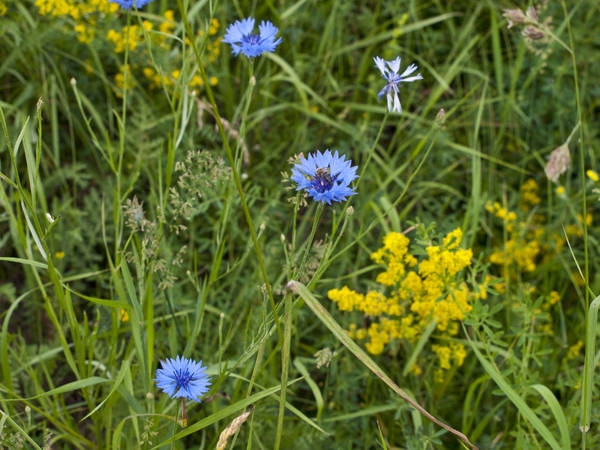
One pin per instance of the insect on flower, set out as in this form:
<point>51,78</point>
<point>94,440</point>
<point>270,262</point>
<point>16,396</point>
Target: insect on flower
<point>325,176</point>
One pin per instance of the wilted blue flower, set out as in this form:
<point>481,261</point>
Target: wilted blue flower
<point>239,36</point>
<point>390,74</point>
<point>128,4</point>
<point>325,177</point>
<point>183,377</point>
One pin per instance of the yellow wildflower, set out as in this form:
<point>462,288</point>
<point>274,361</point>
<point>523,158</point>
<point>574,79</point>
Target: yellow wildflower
<point>85,34</point>
<point>124,79</point>
<point>418,292</point>
<point>345,298</point>
<point>575,350</point>
<point>443,353</point>
<point>123,315</point>
<point>529,194</point>
<point>452,239</point>
<point>127,38</point>
<point>459,353</point>
<point>592,175</point>
<point>167,26</point>
<point>213,27</point>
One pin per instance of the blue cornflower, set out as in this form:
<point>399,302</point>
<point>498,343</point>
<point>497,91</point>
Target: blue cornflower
<point>390,74</point>
<point>128,4</point>
<point>239,36</point>
<point>325,177</point>
<point>183,377</point>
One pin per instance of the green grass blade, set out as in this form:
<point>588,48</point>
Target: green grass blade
<point>326,318</point>
<point>516,399</point>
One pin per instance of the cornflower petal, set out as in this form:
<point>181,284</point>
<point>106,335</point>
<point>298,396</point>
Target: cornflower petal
<point>394,65</point>
<point>182,377</point>
<point>393,79</point>
<point>325,176</point>
<point>239,35</point>
<point>128,4</point>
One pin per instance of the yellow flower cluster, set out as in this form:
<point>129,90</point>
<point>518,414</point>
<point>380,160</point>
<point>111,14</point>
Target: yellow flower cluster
<point>529,194</point>
<point>160,80</point>
<point>85,14</point>
<point>523,246</point>
<point>501,212</point>
<point>417,294</point>
<point>527,241</point>
<point>519,252</point>
<point>128,37</point>
<point>75,9</point>
<point>124,80</point>
<point>577,229</point>
<point>92,20</point>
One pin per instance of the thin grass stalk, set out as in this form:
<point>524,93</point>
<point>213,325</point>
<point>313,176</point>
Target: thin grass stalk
<point>591,331</point>
<point>516,399</point>
<point>236,175</point>
<point>285,366</point>
<point>308,242</point>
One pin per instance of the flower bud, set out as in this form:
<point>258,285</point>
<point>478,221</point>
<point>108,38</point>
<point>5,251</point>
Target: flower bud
<point>514,17</point>
<point>558,162</point>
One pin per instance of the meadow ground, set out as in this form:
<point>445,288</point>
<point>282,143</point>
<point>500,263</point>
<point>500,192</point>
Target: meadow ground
<point>219,232</point>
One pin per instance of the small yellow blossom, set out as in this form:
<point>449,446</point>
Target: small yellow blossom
<point>147,25</point>
<point>529,194</point>
<point>592,175</point>
<point>213,27</point>
<point>459,353</point>
<point>361,334</point>
<point>416,370</point>
<point>124,80</point>
<point>84,33</point>
<point>128,38</point>
<point>443,354</point>
<point>196,81</point>
<point>501,212</point>
<point>167,26</point>
<point>345,298</point>
<point>123,315</point>
<point>452,239</point>
<point>575,350</point>
<point>374,304</point>
<point>577,229</point>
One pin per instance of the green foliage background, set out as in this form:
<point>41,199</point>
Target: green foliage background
<point>133,229</point>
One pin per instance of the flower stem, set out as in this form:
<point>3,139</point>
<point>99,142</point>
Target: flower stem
<point>184,418</point>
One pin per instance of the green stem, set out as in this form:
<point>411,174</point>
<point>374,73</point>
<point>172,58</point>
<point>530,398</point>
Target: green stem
<point>285,363</point>
<point>236,175</point>
<point>588,367</point>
